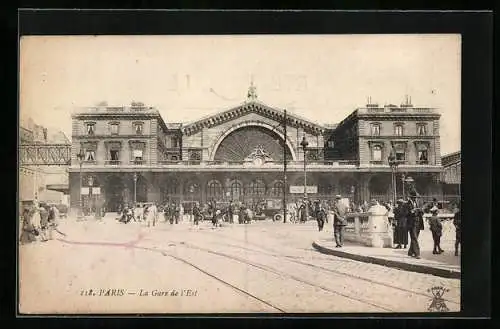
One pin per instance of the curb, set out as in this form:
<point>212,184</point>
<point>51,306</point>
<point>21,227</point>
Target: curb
<point>449,274</point>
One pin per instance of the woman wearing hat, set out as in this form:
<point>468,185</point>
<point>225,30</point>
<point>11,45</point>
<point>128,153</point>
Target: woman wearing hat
<point>401,231</point>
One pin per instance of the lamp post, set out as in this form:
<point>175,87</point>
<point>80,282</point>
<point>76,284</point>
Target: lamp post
<point>191,191</point>
<point>80,156</point>
<point>135,189</point>
<point>304,145</point>
<point>393,163</point>
<point>406,180</point>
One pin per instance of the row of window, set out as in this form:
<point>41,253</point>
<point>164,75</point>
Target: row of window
<point>399,129</point>
<point>255,188</point>
<point>114,128</point>
<point>422,154</point>
<point>113,155</point>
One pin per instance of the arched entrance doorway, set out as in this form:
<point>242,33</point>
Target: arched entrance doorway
<point>380,188</point>
<point>114,192</point>
<point>141,189</point>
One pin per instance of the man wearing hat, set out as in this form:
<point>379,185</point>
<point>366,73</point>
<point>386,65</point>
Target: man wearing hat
<point>415,223</point>
<point>436,229</point>
<point>339,211</point>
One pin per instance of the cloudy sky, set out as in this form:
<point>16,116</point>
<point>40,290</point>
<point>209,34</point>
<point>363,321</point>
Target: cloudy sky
<point>323,78</point>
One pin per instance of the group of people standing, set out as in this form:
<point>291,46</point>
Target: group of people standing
<point>38,223</point>
<point>409,221</point>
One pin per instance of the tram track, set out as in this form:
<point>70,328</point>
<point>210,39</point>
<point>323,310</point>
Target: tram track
<point>288,275</point>
<point>293,259</point>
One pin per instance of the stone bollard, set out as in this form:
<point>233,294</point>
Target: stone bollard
<point>379,231</point>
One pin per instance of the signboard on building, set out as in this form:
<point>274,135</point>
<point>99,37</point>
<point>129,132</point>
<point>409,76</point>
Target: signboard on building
<point>300,189</point>
<point>85,191</point>
<point>96,190</point>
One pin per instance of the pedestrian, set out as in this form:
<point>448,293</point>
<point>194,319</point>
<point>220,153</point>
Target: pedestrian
<point>401,230</point>
<point>44,223</point>
<point>339,222</point>
<point>437,229</point>
<point>458,229</point>
<point>28,232</point>
<point>196,214</point>
<point>415,224</point>
<point>321,216</point>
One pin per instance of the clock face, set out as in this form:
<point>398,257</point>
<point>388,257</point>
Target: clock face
<point>258,161</point>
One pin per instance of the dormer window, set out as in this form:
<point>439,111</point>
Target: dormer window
<point>421,129</point>
<point>90,128</point>
<point>398,129</point>
<point>114,128</point>
<point>375,129</point>
<point>138,128</point>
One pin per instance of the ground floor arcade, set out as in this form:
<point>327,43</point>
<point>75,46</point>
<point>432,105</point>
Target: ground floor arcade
<point>118,188</point>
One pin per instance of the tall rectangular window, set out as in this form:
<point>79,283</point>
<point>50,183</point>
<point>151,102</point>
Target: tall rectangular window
<point>400,155</point>
<point>89,155</point>
<point>422,157</point>
<point>90,128</point>
<point>421,129</point>
<point>375,129</point>
<point>114,128</point>
<point>377,153</point>
<point>138,128</point>
<point>114,155</point>
<point>398,130</point>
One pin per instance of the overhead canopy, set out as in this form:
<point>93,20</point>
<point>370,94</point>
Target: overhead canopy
<point>64,188</point>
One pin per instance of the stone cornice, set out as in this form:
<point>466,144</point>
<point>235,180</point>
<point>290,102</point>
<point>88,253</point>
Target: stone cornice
<point>252,107</point>
<point>119,137</point>
<point>392,137</point>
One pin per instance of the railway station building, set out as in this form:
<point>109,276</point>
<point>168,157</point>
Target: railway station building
<point>131,153</point>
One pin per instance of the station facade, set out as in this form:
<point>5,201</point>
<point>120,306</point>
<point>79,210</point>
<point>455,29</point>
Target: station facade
<point>130,153</point>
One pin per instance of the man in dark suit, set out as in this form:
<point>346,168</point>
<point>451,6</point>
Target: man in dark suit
<point>339,222</point>
<point>415,224</point>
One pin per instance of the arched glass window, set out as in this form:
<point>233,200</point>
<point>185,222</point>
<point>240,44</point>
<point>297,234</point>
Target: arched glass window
<point>256,187</point>
<point>277,189</point>
<point>235,190</point>
<point>214,189</point>
<point>172,187</point>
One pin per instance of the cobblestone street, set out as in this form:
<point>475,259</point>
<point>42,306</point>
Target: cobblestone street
<point>106,266</point>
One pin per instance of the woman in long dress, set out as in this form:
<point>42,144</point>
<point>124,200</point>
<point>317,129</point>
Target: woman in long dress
<point>401,231</point>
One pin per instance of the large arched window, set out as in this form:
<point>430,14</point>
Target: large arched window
<point>256,188</point>
<point>172,187</point>
<point>277,189</point>
<point>214,189</point>
<point>235,190</point>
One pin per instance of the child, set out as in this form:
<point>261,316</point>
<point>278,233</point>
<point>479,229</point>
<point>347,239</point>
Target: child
<point>436,229</point>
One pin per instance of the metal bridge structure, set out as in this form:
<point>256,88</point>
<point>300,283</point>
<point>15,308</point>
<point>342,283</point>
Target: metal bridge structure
<point>33,154</point>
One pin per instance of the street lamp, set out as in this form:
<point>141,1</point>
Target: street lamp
<point>304,145</point>
<point>191,191</point>
<point>393,163</point>
<point>80,156</point>
<point>406,179</point>
<point>135,189</point>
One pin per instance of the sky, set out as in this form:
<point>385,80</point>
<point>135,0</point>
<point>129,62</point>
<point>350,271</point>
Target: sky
<point>320,77</point>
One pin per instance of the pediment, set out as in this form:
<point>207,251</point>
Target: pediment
<point>252,107</point>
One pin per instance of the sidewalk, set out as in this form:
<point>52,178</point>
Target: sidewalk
<point>445,265</point>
